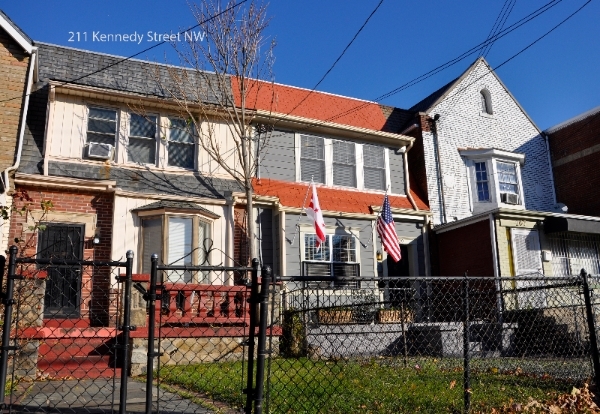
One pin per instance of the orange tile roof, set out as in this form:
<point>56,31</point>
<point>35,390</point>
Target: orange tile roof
<point>319,106</point>
<point>292,194</point>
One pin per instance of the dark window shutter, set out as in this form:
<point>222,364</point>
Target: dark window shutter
<point>344,164</point>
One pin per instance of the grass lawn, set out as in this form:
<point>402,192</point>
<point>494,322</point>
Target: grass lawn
<point>378,386</point>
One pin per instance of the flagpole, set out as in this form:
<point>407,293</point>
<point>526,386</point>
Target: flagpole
<point>380,209</point>
<point>302,209</point>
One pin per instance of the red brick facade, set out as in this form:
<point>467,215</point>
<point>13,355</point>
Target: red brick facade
<point>97,298</point>
<point>575,162</point>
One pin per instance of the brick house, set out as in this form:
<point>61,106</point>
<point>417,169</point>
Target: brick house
<point>575,157</point>
<point>18,69</point>
<point>488,179</point>
<point>141,195</point>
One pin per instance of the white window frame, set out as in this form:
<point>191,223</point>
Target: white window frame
<point>197,219</point>
<point>491,157</point>
<point>359,164</point>
<point>156,139</point>
<point>166,121</point>
<point>118,120</point>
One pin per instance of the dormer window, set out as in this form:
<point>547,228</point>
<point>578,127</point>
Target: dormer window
<point>486,102</point>
<point>494,178</point>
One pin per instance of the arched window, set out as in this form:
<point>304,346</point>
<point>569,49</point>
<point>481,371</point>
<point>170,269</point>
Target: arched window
<point>486,101</point>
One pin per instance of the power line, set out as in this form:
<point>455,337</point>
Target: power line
<point>118,62</point>
<point>499,24</point>
<point>338,59</point>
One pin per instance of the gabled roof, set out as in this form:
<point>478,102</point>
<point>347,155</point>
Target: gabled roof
<point>573,120</point>
<point>176,205</point>
<point>16,33</point>
<point>427,104</point>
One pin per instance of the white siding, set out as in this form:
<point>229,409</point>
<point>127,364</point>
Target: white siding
<point>68,127</point>
<point>462,125</point>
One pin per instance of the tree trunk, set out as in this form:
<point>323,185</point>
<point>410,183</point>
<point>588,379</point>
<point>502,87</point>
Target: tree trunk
<point>250,223</point>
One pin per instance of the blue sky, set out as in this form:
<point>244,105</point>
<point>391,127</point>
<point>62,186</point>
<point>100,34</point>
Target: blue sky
<point>554,80</point>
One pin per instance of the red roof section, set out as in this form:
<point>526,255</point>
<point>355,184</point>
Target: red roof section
<point>292,194</point>
<point>318,105</point>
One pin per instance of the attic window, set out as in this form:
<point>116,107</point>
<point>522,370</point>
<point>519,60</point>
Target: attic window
<point>486,102</point>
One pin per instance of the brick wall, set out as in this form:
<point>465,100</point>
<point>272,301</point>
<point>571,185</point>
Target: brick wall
<point>466,249</point>
<point>97,299</point>
<point>13,76</point>
<point>576,161</point>
<point>462,125</point>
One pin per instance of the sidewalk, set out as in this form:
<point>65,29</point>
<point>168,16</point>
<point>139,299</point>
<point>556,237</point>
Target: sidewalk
<point>97,397</point>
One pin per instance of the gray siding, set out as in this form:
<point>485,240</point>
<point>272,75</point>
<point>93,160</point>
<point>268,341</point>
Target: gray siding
<point>396,172</point>
<point>278,161</point>
<point>367,255</point>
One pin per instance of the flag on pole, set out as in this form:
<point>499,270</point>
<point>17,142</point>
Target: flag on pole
<point>387,231</point>
<point>314,212</point>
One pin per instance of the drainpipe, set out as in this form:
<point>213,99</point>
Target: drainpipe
<point>405,158</point>
<point>494,241</point>
<point>547,140</point>
<point>23,120</point>
<point>439,167</point>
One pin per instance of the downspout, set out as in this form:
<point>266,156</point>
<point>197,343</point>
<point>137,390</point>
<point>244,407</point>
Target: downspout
<point>439,167</point>
<point>23,121</point>
<point>547,139</point>
<point>405,159</point>
<point>494,241</point>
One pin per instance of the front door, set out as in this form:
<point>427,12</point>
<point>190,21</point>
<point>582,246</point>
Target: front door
<point>399,286</point>
<point>63,283</point>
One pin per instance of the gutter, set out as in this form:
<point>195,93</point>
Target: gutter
<point>405,158</point>
<point>23,121</point>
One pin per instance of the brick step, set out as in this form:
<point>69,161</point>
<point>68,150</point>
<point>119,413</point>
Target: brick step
<point>60,348</point>
<point>98,366</point>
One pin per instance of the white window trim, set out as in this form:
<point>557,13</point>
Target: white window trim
<point>156,139</point>
<point>329,231</point>
<point>119,119</point>
<point>165,130</point>
<point>359,164</point>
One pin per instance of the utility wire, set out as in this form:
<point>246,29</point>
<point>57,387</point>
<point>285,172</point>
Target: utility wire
<point>118,62</point>
<point>337,60</point>
<point>498,24</point>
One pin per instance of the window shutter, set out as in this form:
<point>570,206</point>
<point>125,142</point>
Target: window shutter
<point>344,164</point>
<point>527,260</point>
<point>374,167</point>
<point>312,162</point>
<point>180,245</point>
<point>152,241</point>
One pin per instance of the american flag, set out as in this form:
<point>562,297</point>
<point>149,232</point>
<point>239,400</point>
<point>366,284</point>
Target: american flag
<point>387,231</point>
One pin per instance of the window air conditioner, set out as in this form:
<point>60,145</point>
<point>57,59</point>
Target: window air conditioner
<point>508,198</point>
<point>100,151</point>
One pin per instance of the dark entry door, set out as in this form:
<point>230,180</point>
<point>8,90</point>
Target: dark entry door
<point>398,285</point>
<point>63,283</point>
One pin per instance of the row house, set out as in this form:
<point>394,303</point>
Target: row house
<point>18,69</point>
<point>486,170</point>
<point>111,153</point>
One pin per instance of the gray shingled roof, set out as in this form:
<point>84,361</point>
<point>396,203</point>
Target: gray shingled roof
<point>67,64</point>
<point>179,205</point>
<point>425,104</point>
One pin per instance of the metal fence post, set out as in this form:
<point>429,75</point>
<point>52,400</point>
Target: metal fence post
<point>151,299</point>
<point>8,301</point>
<point>249,390</point>
<point>466,356</point>
<point>262,339</point>
<point>591,326</point>
<point>126,328</point>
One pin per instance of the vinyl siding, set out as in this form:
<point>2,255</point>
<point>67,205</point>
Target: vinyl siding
<point>278,160</point>
<point>396,172</point>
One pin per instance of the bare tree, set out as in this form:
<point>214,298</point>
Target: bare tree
<point>224,65</point>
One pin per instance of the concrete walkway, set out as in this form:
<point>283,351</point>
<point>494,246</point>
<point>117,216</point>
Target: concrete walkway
<point>97,397</point>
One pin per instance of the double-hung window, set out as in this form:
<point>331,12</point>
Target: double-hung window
<point>374,167</point>
<point>312,159</point>
<point>182,144</point>
<point>102,126</point>
<point>344,164</point>
<point>507,177</point>
<point>337,257</point>
<point>142,139</point>
<point>481,178</point>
